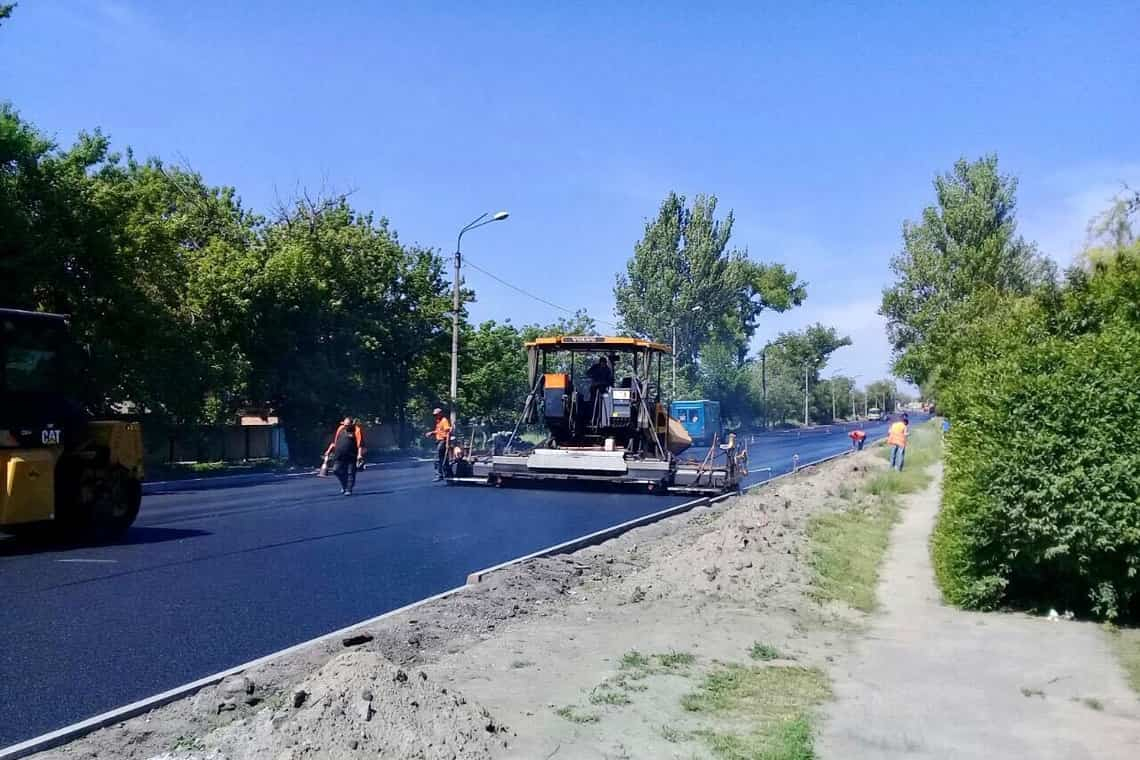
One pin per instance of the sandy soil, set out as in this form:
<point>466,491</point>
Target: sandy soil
<point>930,681</point>
<point>508,668</point>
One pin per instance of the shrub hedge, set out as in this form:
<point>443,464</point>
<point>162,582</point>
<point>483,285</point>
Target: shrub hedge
<point>1042,487</point>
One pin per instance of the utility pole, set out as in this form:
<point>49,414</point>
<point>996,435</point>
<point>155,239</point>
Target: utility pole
<point>691,311</point>
<point>674,396</point>
<point>478,221</point>
<point>805,394</point>
<point>832,384</point>
<point>764,382</point>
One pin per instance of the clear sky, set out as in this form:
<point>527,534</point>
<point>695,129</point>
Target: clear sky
<point>820,124</point>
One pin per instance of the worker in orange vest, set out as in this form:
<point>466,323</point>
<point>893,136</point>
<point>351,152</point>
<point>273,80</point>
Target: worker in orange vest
<point>858,437</point>
<point>442,433</point>
<point>896,439</point>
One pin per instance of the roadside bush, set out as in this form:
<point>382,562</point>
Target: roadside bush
<point>1042,487</point>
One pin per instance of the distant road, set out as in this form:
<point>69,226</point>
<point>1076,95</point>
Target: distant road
<point>209,579</point>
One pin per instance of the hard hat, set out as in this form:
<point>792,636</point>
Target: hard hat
<point>437,410</point>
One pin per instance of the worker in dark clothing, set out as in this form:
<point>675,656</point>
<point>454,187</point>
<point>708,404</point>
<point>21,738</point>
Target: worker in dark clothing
<point>601,379</point>
<point>600,374</point>
<point>347,452</point>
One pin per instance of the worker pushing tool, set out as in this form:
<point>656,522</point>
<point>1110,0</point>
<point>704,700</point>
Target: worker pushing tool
<point>347,454</point>
<point>442,434</point>
<point>858,438</point>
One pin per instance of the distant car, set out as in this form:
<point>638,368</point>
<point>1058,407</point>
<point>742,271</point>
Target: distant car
<point>874,414</point>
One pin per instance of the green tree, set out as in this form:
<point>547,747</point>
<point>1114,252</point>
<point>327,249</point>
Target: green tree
<point>721,378</point>
<point>579,323</point>
<point>787,359</point>
<point>883,394</point>
<point>339,311</point>
<point>964,244</point>
<point>118,246</point>
<point>493,385</point>
<point>6,10</point>
<point>683,262</point>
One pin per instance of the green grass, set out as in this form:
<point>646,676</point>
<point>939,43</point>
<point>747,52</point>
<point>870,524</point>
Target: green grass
<point>674,660</point>
<point>676,736</point>
<point>187,744</point>
<point>604,696</point>
<point>629,681</point>
<point>790,739</point>
<point>765,652</point>
<point>572,714</point>
<point>777,701</point>
<point>774,690</point>
<point>1093,703</point>
<point>848,546</point>
<point>634,659</point>
<point>1126,644</point>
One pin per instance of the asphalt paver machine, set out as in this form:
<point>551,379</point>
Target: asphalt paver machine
<point>597,401</point>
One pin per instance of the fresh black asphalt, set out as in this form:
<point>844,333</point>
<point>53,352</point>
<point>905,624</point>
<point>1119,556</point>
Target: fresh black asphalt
<point>209,579</point>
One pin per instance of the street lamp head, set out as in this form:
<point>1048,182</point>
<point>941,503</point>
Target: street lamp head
<point>499,216</point>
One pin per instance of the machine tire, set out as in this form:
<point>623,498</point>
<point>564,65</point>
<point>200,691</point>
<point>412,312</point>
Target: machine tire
<point>121,508</point>
<point>100,503</point>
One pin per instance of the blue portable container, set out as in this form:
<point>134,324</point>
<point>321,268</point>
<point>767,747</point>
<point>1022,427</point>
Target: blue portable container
<point>701,419</point>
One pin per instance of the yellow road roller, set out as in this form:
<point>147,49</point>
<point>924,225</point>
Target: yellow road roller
<point>59,466</point>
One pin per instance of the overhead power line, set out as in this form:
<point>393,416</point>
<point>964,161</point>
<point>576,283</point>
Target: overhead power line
<point>467,262</point>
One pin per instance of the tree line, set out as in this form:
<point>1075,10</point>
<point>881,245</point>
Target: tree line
<point>195,307</point>
<point>1039,374</point>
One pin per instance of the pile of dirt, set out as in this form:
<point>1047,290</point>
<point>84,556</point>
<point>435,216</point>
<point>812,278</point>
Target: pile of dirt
<point>357,704</point>
<point>750,552</point>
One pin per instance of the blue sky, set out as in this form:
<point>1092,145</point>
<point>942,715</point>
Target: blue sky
<point>820,124</point>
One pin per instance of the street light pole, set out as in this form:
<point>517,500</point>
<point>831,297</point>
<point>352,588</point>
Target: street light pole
<point>478,221</point>
<point>831,384</point>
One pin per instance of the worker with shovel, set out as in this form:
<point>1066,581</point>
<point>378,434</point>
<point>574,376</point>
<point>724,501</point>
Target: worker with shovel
<point>442,434</point>
<point>896,439</point>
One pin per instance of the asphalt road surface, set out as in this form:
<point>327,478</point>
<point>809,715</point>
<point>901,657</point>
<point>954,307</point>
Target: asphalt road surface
<point>209,579</point>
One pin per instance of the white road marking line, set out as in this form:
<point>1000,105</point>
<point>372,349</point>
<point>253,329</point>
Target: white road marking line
<point>91,561</point>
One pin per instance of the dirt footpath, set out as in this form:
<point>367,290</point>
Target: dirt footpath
<point>931,681</point>
<point>611,652</point>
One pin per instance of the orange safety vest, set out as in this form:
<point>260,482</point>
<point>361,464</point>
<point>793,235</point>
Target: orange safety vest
<point>897,435</point>
<point>442,429</point>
